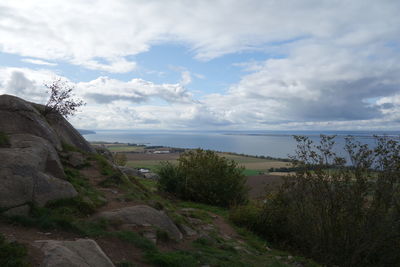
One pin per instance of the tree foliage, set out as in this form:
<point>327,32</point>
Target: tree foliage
<point>203,176</point>
<point>341,211</point>
<point>61,99</point>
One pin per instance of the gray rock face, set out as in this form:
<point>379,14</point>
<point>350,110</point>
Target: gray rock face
<point>142,215</point>
<point>78,253</point>
<point>19,117</point>
<point>30,171</point>
<point>68,134</point>
<point>30,168</point>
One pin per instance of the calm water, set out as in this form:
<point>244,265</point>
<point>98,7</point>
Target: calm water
<point>272,143</point>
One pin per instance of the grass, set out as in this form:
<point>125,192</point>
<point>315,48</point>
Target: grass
<point>85,190</point>
<point>4,140</point>
<point>12,254</point>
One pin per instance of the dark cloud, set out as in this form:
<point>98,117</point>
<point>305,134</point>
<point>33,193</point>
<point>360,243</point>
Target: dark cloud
<point>108,98</point>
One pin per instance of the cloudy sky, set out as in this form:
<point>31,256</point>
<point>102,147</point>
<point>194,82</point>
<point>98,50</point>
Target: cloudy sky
<point>210,64</point>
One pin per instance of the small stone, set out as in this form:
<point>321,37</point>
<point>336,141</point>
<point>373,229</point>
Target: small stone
<point>152,236</point>
<point>208,227</point>
<point>290,257</point>
<point>186,230</point>
<point>278,257</point>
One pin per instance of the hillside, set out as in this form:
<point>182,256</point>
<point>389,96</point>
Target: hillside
<point>63,203</point>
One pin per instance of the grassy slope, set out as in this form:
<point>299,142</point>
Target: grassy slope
<point>215,248</point>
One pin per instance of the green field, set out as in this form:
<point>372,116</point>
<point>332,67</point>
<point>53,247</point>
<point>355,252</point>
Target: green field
<point>253,165</point>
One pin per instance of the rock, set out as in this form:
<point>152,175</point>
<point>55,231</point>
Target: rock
<point>41,153</point>
<point>186,230</point>
<point>142,215</point>
<point>151,175</point>
<point>102,150</point>
<point>18,211</point>
<point>130,171</point>
<point>76,159</point>
<point>67,133</point>
<point>152,236</point>
<point>18,116</point>
<point>30,171</point>
<point>79,253</point>
<point>208,227</point>
<point>30,168</point>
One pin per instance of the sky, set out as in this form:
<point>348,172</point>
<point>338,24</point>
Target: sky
<point>209,64</point>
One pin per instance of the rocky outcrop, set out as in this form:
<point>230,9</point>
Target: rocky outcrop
<point>30,171</point>
<point>68,134</point>
<point>78,253</point>
<point>142,215</point>
<point>19,117</point>
<point>30,168</point>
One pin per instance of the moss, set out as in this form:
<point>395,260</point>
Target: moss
<point>4,140</point>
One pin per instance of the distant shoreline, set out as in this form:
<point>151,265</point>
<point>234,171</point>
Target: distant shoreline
<point>312,135</point>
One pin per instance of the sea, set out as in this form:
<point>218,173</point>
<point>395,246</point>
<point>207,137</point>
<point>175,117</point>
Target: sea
<point>277,144</point>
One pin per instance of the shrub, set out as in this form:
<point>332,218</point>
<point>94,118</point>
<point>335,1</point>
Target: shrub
<point>61,100</point>
<point>205,177</point>
<point>339,213</point>
<point>120,159</point>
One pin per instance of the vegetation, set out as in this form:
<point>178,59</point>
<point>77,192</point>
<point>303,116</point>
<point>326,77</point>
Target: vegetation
<point>61,100</point>
<point>205,177</point>
<point>12,254</point>
<point>340,212</point>
<point>120,159</point>
<point>4,140</point>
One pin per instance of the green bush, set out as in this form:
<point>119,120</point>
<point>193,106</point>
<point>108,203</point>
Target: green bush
<point>344,214</point>
<point>205,177</point>
<point>245,215</point>
<point>4,140</point>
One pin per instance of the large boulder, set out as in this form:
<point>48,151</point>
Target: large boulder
<point>142,215</point>
<point>18,116</point>
<point>78,253</point>
<point>68,134</point>
<point>30,171</point>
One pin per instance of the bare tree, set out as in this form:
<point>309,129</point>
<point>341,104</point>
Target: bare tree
<point>61,99</point>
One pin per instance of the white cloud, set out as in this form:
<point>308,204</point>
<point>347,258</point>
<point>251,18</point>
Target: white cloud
<point>38,62</point>
<point>186,78</point>
<point>335,56</point>
<point>115,104</point>
<point>81,31</point>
